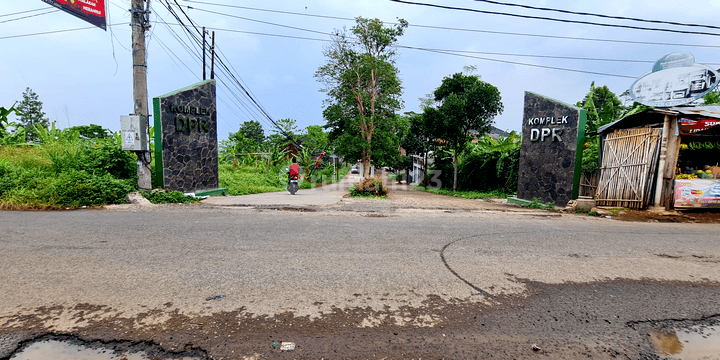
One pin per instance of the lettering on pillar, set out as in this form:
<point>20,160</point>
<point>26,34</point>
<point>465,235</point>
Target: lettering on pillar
<point>548,128</point>
<point>190,124</point>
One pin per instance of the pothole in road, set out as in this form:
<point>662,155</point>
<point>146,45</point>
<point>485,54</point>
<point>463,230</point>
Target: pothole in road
<point>50,349</point>
<point>697,342</point>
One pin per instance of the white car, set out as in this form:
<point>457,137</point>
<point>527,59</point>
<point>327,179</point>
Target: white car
<point>354,169</point>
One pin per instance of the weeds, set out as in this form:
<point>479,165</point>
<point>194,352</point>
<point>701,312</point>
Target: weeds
<point>373,187</point>
<point>169,197</point>
<point>536,203</point>
<point>468,194</point>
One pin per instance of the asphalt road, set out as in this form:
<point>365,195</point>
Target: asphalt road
<point>397,284</point>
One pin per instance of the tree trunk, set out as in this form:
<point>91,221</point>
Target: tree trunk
<point>455,158</point>
<point>366,168</point>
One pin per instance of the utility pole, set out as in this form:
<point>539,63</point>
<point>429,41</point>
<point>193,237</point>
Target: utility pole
<point>140,16</point>
<point>212,57</point>
<point>204,42</point>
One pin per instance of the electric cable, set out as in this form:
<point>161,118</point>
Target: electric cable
<point>196,55</point>
<point>242,88</point>
<point>55,31</point>
<point>553,19</point>
<point>462,29</point>
<point>23,12</point>
<point>562,11</point>
<point>29,16</point>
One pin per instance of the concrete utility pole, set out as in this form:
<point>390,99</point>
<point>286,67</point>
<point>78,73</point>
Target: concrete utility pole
<point>140,23</point>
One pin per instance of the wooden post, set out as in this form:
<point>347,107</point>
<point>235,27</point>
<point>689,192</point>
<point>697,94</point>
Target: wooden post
<point>660,183</point>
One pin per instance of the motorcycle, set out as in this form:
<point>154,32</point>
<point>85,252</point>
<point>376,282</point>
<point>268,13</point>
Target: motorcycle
<point>293,186</point>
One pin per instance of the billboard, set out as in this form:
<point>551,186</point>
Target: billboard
<point>92,11</point>
<point>674,80</point>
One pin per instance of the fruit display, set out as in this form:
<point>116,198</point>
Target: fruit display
<point>685,176</point>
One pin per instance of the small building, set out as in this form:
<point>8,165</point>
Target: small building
<point>662,157</point>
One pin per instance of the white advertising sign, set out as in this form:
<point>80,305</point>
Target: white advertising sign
<point>675,80</point>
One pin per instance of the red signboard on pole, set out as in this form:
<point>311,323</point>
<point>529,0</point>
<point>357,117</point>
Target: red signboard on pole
<point>92,11</point>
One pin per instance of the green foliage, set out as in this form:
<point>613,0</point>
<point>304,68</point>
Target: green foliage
<point>364,91</point>
<point>372,187</point>
<point>102,156</point>
<point>712,98</point>
<point>285,134</point>
<point>603,107</point>
<point>170,197</point>
<point>592,213</point>
<point>92,131</point>
<point>33,185</point>
<point>31,115</point>
<point>465,104</point>
<point>315,138</point>
<point>487,165</point>
<point>65,171</point>
<point>469,194</point>
<point>538,204</point>
<point>243,180</point>
<point>591,155</point>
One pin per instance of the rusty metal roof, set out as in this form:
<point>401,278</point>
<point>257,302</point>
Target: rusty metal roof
<point>642,118</point>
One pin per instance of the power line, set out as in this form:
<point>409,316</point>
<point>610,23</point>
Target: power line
<point>446,50</point>
<point>524,64</point>
<point>223,69</point>
<point>598,15</point>
<point>553,19</point>
<point>29,16</point>
<point>56,31</point>
<point>462,29</point>
<point>23,12</point>
<point>259,21</point>
<point>459,53</point>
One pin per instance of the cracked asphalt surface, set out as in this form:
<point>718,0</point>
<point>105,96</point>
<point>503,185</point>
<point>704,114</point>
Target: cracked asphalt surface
<point>356,280</point>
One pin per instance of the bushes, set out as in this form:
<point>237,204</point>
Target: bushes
<point>170,197</point>
<point>70,173</point>
<point>243,180</point>
<point>488,165</point>
<point>369,188</point>
<point>41,187</point>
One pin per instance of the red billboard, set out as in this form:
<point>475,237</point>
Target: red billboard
<point>92,11</point>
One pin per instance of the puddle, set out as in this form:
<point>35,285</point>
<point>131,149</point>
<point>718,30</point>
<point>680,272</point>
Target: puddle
<point>697,342</point>
<point>59,350</point>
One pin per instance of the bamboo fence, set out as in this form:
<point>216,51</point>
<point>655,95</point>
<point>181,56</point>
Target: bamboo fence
<point>628,168</point>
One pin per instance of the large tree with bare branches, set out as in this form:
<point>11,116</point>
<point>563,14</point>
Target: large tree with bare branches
<point>363,90</point>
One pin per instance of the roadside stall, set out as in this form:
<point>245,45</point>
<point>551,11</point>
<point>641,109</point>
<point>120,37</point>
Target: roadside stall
<point>666,157</point>
<point>697,179</point>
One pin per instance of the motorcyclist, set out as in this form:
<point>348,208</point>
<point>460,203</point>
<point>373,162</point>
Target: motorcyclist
<point>294,169</point>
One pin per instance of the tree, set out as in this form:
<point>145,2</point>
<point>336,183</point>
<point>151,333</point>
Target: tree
<point>248,138</point>
<point>31,114</point>
<point>610,109</point>
<point>315,138</point>
<point>284,133</point>
<point>465,104</point>
<point>92,131</point>
<point>603,107</point>
<point>253,131</point>
<point>363,88</point>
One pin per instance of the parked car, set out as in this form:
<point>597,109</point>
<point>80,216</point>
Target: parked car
<point>354,169</point>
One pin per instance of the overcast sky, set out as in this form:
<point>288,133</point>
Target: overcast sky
<point>85,76</point>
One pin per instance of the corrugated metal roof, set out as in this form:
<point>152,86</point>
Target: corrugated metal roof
<point>711,111</point>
